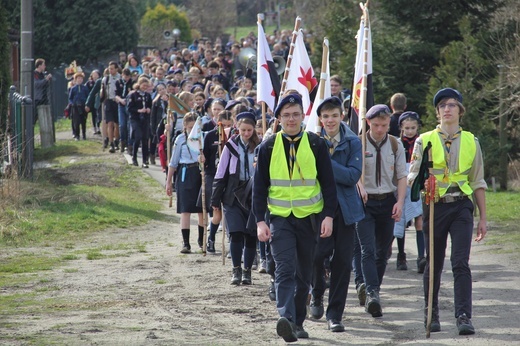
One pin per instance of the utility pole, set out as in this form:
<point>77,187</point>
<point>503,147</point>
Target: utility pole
<point>502,122</point>
<point>27,83</point>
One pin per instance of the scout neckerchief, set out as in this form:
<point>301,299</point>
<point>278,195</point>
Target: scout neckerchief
<point>448,140</point>
<point>330,143</point>
<point>378,156</point>
<point>292,152</point>
<point>245,148</point>
<point>408,144</point>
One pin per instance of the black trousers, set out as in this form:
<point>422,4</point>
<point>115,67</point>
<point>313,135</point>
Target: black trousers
<point>456,220</point>
<point>340,246</point>
<point>79,118</point>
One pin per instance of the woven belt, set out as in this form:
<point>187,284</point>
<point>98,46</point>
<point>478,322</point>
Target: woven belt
<point>189,165</point>
<point>380,197</point>
<point>451,199</point>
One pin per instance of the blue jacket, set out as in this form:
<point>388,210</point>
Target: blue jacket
<point>347,167</point>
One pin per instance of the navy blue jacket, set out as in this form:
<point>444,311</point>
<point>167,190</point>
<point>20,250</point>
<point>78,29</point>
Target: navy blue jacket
<point>347,165</point>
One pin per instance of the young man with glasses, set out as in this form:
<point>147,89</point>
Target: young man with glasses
<point>294,179</point>
<point>459,172</point>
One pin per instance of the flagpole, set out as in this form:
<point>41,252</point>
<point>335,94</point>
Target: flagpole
<point>323,79</point>
<point>203,197</point>
<point>363,94</point>
<point>430,199</point>
<point>291,51</point>
<point>260,16</point>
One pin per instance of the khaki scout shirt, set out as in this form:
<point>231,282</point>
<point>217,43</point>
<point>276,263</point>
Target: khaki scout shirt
<point>389,165</point>
<point>475,175</point>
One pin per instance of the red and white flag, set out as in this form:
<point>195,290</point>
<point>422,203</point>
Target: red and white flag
<point>268,82</point>
<point>301,73</point>
<point>355,120</point>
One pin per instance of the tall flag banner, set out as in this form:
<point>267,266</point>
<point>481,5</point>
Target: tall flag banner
<point>301,73</point>
<point>268,82</point>
<point>354,116</point>
<point>194,136</point>
<point>312,119</point>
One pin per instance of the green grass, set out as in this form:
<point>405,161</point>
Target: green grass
<point>503,214</point>
<point>243,31</point>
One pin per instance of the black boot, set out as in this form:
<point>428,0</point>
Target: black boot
<point>246,277</point>
<point>401,261</point>
<point>112,148</point>
<point>186,248</point>
<point>435,326</point>
<point>237,276</point>
<point>105,143</point>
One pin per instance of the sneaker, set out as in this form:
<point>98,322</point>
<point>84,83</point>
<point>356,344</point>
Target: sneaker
<point>144,165</point>
<point>373,305</point>
<point>263,267</point>
<point>211,246</point>
<point>464,325</point>
<point>246,277</point>
<point>237,276</point>
<point>361,293</point>
<point>335,326</point>
<point>301,333</point>
<point>316,308</point>
<point>186,248</point>
<point>421,264</point>
<point>284,328</point>
<point>401,261</point>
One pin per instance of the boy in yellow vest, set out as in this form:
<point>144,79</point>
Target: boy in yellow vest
<point>459,172</point>
<point>294,179</point>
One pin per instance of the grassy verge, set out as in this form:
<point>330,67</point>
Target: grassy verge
<point>503,212</point>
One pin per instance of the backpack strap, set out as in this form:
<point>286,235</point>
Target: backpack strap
<point>394,143</point>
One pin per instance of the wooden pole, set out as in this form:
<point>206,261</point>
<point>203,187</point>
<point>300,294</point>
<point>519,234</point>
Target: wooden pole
<point>291,51</point>
<point>431,200</point>
<point>363,94</point>
<point>203,197</point>
<point>169,141</point>
<point>221,141</point>
<point>323,79</point>
<point>264,106</point>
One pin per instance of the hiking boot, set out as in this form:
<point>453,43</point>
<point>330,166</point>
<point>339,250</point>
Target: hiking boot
<point>211,246</point>
<point>421,264</point>
<point>246,277</point>
<point>263,266</point>
<point>316,307</point>
<point>272,291</point>
<point>237,276</point>
<point>373,305</point>
<point>361,293</point>
<point>301,333</point>
<point>186,248</point>
<point>435,325</point>
<point>464,325</point>
<point>284,328</point>
<point>401,261</point>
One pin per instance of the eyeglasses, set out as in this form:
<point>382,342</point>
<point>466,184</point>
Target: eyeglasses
<point>291,116</point>
<point>450,105</point>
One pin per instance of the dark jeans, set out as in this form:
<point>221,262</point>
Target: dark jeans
<point>124,124</point>
<point>455,219</point>
<point>340,244</point>
<point>375,233</point>
<point>293,242</point>
<point>140,135</point>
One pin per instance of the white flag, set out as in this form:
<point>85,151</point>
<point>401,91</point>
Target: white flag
<point>312,119</point>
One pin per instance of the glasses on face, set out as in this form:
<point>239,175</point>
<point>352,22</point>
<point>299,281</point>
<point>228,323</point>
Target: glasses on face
<point>291,116</point>
<point>450,105</point>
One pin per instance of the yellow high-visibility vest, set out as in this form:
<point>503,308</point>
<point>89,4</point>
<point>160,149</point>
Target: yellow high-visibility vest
<point>300,195</point>
<point>466,155</point>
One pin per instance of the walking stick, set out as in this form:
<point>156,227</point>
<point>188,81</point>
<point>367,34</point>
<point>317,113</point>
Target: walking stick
<point>169,142</point>
<point>430,200</point>
<point>203,195</point>
<point>221,140</point>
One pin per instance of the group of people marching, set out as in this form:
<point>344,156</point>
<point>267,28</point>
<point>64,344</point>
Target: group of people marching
<point>318,206</point>
<point>306,197</point>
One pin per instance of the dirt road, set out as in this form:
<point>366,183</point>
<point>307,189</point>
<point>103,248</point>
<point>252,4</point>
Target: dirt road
<point>142,291</point>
